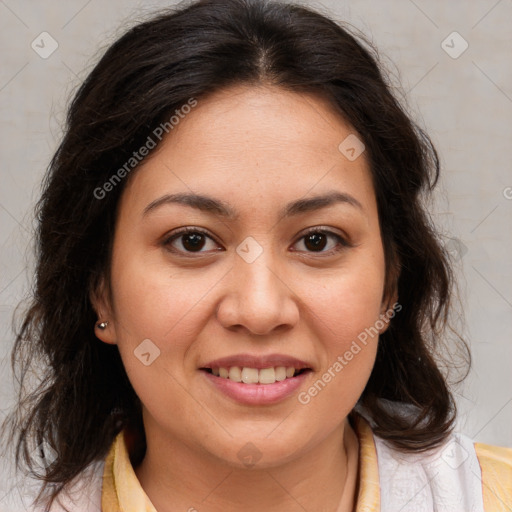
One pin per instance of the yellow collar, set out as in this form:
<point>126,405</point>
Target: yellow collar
<point>122,490</point>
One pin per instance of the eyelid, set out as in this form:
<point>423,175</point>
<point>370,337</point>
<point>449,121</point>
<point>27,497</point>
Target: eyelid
<point>326,230</point>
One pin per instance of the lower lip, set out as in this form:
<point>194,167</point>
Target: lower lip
<point>257,394</point>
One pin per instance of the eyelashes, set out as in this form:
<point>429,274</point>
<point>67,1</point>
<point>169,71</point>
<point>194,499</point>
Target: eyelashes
<point>310,236</point>
<point>193,240</point>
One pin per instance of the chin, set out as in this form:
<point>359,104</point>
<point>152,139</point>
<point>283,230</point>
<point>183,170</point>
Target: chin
<point>261,451</point>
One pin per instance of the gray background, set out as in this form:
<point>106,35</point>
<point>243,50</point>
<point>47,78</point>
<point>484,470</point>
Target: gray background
<point>465,104</point>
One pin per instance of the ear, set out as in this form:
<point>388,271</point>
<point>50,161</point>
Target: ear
<point>389,309</point>
<point>101,302</point>
<point>390,305</point>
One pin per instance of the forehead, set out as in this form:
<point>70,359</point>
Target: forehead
<point>240,118</point>
<point>247,142</point>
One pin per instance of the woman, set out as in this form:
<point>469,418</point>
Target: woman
<point>239,294</point>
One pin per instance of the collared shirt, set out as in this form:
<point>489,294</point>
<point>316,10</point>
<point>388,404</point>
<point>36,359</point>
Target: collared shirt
<point>122,492</point>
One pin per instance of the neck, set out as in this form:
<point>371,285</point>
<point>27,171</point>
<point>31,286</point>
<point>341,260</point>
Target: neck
<point>176,477</point>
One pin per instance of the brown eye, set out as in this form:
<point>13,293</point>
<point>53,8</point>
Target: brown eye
<point>193,241</point>
<point>316,240</point>
<point>188,240</point>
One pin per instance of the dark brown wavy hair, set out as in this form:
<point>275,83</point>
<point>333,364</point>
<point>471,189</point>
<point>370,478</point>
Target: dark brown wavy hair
<point>85,398</point>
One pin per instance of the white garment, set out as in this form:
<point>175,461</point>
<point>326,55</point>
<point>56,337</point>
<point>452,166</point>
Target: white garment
<point>446,479</point>
<point>83,494</point>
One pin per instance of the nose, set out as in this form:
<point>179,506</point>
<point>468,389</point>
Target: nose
<point>258,298</point>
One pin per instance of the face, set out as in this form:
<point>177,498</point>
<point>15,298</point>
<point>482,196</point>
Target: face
<point>281,273</point>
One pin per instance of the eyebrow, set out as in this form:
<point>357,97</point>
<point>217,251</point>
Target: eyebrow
<point>222,209</point>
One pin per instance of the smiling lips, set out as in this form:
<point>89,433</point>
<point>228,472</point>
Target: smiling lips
<point>255,376</point>
<point>257,380</point>
<point>256,369</point>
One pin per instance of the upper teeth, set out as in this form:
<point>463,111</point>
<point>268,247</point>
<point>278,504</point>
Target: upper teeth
<point>255,376</point>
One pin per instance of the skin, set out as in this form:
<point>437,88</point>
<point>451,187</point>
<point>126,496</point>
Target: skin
<point>256,148</point>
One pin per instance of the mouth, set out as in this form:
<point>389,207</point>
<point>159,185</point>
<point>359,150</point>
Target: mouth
<point>254,380</point>
<point>248,375</point>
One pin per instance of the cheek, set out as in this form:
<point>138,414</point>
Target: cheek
<point>157,316</point>
<point>344,312</point>
<point>347,330</point>
<point>154,300</point>
<point>348,301</point>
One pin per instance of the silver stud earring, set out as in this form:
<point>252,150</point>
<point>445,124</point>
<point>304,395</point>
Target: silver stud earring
<point>102,325</point>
